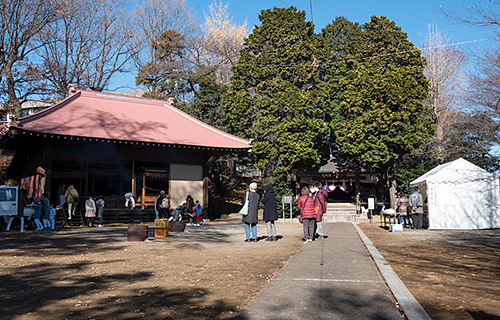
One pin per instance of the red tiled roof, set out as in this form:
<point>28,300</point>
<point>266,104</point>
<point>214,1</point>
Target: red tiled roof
<point>117,117</point>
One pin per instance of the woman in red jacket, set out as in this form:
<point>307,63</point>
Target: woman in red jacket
<point>305,204</point>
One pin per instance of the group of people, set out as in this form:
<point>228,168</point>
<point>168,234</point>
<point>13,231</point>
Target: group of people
<point>43,215</point>
<point>94,207</point>
<point>270,213</point>
<point>312,205</point>
<point>415,202</point>
<point>190,208</point>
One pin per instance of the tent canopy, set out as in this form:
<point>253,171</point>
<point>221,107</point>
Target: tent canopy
<point>460,195</point>
<point>455,171</point>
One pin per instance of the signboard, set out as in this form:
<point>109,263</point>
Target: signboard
<point>371,203</point>
<point>286,199</point>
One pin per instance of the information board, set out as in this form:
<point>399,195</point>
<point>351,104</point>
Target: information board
<point>286,199</point>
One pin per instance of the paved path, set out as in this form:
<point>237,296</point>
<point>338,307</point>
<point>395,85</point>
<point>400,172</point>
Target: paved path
<point>330,279</point>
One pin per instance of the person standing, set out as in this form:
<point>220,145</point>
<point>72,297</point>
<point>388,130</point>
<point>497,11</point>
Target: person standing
<point>189,208</point>
<point>90,210</point>
<point>52,218</point>
<point>320,203</point>
<point>72,199</point>
<point>416,202</point>
<point>402,205</point>
<point>37,215</point>
<point>270,213</point>
<point>20,211</point>
<point>198,211</point>
<point>62,198</point>
<point>45,210</point>
<point>162,205</point>
<point>100,204</point>
<point>251,219</point>
<point>305,204</point>
<point>157,207</point>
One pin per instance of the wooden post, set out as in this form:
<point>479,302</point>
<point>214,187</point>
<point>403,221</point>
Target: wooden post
<point>143,199</point>
<point>133,179</point>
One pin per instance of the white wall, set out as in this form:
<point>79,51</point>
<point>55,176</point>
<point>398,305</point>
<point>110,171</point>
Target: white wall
<point>464,205</point>
<point>185,179</point>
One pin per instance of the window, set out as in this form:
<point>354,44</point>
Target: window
<point>8,194</point>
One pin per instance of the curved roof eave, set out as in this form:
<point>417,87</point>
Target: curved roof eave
<point>101,116</point>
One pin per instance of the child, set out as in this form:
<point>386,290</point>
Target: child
<point>52,215</point>
<point>100,203</point>
<point>45,210</point>
<point>90,210</point>
<point>37,215</point>
<point>194,222</point>
<point>198,210</point>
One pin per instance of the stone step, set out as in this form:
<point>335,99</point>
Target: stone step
<point>338,209</point>
<point>340,204</point>
<point>342,212</point>
<point>339,213</point>
<point>332,218</point>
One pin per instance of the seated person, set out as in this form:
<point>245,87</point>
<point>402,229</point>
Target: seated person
<point>179,213</point>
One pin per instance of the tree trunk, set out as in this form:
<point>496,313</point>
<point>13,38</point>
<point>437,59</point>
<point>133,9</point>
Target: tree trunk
<point>391,184</point>
<point>14,105</point>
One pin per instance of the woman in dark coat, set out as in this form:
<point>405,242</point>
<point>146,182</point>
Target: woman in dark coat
<point>270,212</point>
<point>251,218</point>
<point>189,208</point>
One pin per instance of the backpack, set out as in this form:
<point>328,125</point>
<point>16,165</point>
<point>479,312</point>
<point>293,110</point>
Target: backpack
<point>165,203</point>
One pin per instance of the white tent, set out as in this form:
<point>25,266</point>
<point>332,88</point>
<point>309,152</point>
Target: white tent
<point>460,195</point>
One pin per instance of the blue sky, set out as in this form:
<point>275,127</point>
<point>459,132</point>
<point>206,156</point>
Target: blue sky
<point>412,16</point>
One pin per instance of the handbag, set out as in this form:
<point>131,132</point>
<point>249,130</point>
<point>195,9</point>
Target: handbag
<point>74,198</point>
<point>244,209</point>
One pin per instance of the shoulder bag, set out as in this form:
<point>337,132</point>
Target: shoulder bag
<point>300,218</point>
<point>244,209</point>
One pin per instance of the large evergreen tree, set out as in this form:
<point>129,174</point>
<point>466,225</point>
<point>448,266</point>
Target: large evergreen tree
<point>273,97</point>
<point>380,115</point>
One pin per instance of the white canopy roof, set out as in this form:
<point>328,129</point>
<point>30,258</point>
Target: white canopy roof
<point>455,171</point>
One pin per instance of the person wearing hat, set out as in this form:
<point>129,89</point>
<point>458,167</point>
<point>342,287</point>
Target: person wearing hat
<point>251,219</point>
<point>162,205</point>
<point>270,213</point>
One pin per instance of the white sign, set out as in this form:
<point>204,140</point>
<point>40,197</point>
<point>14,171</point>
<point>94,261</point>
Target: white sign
<point>371,203</point>
<point>286,199</point>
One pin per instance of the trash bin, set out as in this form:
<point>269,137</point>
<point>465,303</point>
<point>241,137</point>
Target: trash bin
<point>137,232</point>
<point>177,226</point>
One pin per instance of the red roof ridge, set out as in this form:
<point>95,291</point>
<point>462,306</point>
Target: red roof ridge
<point>48,110</point>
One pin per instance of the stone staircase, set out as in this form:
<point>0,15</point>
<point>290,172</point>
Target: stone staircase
<point>341,212</point>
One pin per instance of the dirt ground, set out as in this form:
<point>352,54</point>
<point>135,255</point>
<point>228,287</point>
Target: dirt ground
<point>210,273</point>
<point>95,273</point>
<point>454,275</point>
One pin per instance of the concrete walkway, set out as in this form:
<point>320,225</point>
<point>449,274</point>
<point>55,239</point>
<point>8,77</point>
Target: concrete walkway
<point>331,279</point>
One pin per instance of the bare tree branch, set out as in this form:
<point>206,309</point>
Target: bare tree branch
<point>222,40</point>
<point>20,22</point>
<point>447,87</point>
<point>88,46</point>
